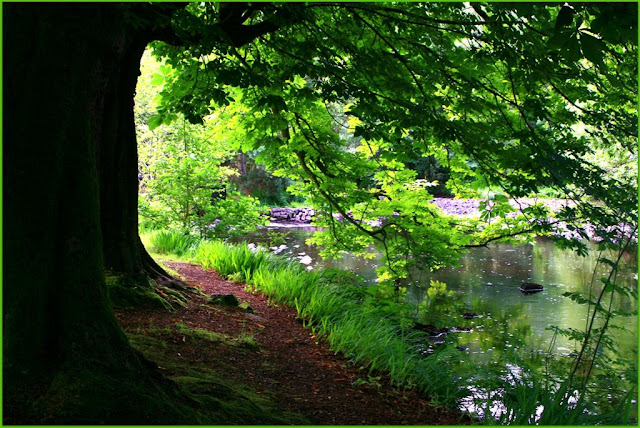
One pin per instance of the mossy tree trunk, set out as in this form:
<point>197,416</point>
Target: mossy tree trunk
<point>118,171</point>
<point>70,209</point>
<point>54,83</point>
<point>60,64</point>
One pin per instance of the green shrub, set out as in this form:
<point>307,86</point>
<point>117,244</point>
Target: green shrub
<point>172,242</point>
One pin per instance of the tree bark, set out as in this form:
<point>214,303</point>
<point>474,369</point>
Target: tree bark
<point>70,194</point>
<point>55,79</point>
<point>59,62</point>
<point>118,164</point>
<point>123,251</point>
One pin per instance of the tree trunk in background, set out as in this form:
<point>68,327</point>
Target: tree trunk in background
<point>243,163</point>
<point>59,63</point>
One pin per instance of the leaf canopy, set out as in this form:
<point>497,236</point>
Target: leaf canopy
<point>341,96</point>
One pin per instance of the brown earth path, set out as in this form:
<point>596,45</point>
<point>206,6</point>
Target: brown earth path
<point>289,365</point>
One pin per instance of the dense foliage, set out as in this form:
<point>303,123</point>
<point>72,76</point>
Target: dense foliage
<point>370,109</point>
<point>343,97</point>
<point>184,170</point>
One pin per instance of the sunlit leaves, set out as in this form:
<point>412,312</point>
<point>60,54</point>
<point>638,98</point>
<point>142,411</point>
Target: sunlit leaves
<point>341,99</point>
<point>183,178</point>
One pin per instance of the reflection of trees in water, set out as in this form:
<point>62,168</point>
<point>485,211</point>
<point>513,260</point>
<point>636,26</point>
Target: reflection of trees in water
<point>500,329</point>
<point>515,319</point>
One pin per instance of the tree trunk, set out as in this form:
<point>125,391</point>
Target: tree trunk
<point>118,168</point>
<point>243,163</point>
<point>54,80</point>
<point>59,63</point>
<point>70,198</point>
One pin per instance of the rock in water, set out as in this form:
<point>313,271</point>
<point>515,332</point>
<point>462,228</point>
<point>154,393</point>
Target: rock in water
<point>531,287</point>
<point>470,315</point>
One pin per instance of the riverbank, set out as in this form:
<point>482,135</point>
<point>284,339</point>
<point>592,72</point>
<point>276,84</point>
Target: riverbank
<point>263,349</point>
<point>303,216</point>
<point>325,302</point>
<point>450,206</point>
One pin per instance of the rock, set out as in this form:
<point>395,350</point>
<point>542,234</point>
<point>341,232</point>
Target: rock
<point>470,315</point>
<point>223,300</point>
<point>531,287</point>
<point>254,317</point>
<point>305,260</point>
<point>294,215</point>
<point>431,330</point>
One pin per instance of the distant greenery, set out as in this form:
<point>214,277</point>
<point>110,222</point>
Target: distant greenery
<point>185,173</point>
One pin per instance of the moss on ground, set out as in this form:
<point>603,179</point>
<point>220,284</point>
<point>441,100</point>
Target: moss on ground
<point>166,389</point>
<point>242,340</point>
<point>215,399</point>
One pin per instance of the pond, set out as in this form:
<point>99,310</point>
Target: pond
<point>488,280</point>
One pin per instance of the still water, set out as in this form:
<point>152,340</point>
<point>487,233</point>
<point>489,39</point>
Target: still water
<point>488,280</point>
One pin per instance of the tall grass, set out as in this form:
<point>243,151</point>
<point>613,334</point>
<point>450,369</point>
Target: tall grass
<point>350,320</point>
<point>172,242</point>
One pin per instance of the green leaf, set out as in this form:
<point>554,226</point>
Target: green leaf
<point>500,198</point>
<point>572,49</point>
<point>609,262</point>
<point>157,79</point>
<point>165,69</point>
<point>154,121</point>
<point>559,40</point>
<point>565,17</point>
<point>592,48</point>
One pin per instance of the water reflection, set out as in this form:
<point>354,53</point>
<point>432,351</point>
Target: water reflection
<point>504,324</point>
<point>488,280</point>
<point>494,274</point>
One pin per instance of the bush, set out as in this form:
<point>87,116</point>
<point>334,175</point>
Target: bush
<point>172,242</point>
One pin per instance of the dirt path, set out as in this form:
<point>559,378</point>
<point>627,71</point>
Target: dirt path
<point>289,365</point>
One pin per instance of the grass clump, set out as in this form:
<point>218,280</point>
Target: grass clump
<point>171,242</point>
<point>355,325</point>
<point>237,261</point>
